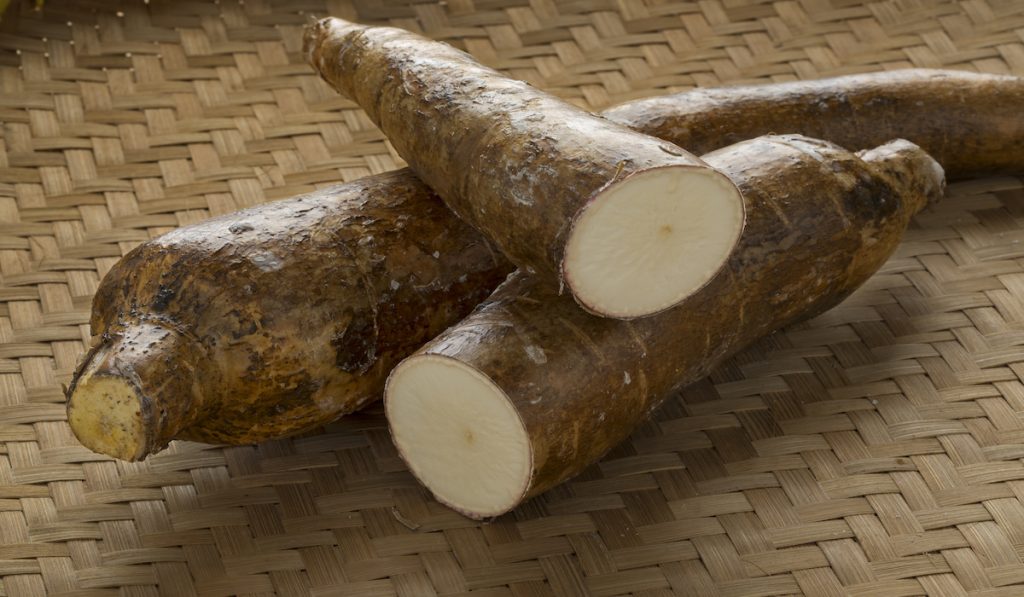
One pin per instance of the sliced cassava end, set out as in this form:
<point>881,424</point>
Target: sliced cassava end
<point>648,241</point>
<point>105,413</point>
<point>134,391</point>
<point>460,435</point>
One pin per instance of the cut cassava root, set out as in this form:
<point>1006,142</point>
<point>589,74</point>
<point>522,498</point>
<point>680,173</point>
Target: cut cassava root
<point>274,319</point>
<point>970,123</point>
<point>528,390</point>
<point>628,223</point>
<point>132,293</point>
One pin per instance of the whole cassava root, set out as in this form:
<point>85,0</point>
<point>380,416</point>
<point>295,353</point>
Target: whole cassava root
<point>529,389</point>
<point>273,319</point>
<point>628,223</point>
<point>130,294</point>
<point>972,124</point>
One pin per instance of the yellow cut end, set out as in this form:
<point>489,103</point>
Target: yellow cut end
<point>105,415</point>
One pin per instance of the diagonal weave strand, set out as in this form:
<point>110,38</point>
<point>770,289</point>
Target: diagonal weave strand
<point>876,450</point>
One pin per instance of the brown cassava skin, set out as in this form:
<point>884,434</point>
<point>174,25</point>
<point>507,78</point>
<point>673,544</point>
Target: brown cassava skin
<point>515,162</point>
<point>232,410</point>
<point>284,316</point>
<point>973,124</point>
<point>820,223</point>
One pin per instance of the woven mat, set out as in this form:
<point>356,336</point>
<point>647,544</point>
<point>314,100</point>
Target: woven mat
<point>877,450</point>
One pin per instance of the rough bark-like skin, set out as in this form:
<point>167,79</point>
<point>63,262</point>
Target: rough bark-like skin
<point>129,292</point>
<point>513,161</point>
<point>284,316</point>
<point>820,222</point>
<point>973,124</point>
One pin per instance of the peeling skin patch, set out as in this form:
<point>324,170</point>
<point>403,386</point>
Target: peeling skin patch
<point>536,354</point>
<point>266,261</point>
<point>626,379</point>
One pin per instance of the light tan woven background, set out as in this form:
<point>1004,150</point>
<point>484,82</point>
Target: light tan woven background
<point>878,450</point>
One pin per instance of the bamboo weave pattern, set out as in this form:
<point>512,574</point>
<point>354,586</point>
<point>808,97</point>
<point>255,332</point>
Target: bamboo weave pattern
<point>876,450</point>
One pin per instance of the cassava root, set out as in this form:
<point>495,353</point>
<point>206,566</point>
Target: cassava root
<point>628,223</point>
<point>972,124</point>
<point>273,319</point>
<point>151,402</point>
<point>529,389</point>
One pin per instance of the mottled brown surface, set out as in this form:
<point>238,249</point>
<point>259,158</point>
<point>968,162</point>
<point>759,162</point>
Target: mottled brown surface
<point>868,451</point>
<point>973,124</point>
<point>517,163</point>
<point>290,314</point>
<point>347,350</point>
<point>820,222</point>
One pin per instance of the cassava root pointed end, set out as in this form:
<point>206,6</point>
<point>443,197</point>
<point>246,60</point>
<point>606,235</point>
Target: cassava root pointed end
<point>317,30</point>
<point>459,434</point>
<point>647,242</point>
<point>105,412</point>
<point>911,168</point>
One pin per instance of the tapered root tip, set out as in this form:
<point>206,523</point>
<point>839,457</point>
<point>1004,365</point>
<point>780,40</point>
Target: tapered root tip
<point>911,168</point>
<point>105,414</point>
<point>317,31</point>
<point>647,242</point>
<point>459,434</point>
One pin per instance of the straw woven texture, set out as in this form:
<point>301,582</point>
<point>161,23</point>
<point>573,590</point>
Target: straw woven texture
<point>877,450</point>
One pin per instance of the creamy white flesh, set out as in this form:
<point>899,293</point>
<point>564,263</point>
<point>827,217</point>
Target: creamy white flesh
<point>459,434</point>
<point>649,241</point>
<point>104,414</point>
